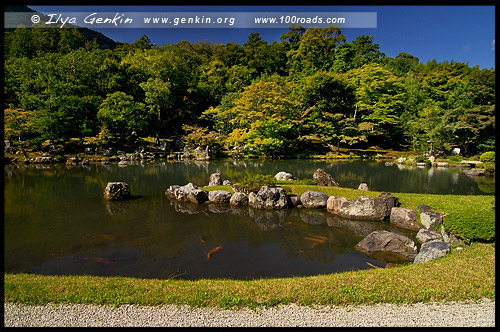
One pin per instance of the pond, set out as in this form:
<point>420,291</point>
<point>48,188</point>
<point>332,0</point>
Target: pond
<point>57,222</point>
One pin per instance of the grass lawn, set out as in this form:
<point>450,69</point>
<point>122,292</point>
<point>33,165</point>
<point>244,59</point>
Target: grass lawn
<point>467,274</point>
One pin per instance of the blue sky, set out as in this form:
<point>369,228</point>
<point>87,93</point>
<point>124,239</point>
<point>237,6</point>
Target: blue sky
<point>445,33</point>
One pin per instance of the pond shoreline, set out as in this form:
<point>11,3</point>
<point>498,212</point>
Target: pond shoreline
<point>475,266</point>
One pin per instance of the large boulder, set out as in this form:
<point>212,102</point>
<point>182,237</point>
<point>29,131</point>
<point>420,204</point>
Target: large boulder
<point>314,199</point>
<point>283,176</point>
<point>239,199</point>
<point>293,200</point>
<point>432,250</point>
<point>369,208</point>
<point>198,196</point>
<point>333,204</point>
<point>182,193</point>
<point>405,218</point>
<point>116,191</point>
<point>219,196</point>
<point>123,163</point>
<point>170,192</point>
<point>426,235</point>
<point>215,180</point>
<point>430,219</point>
<point>324,179</point>
<point>363,186</point>
<point>388,246</point>
<point>268,198</point>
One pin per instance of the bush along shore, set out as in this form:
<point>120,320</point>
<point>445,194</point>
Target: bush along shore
<point>460,228</point>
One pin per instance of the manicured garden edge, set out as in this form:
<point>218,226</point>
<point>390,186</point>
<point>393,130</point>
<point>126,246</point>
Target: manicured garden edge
<point>463,275</point>
<point>471,217</point>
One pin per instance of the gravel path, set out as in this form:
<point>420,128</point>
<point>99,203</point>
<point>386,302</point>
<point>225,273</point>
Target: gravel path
<point>451,314</point>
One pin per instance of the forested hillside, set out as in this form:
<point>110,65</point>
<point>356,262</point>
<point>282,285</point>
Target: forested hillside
<point>311,91</point>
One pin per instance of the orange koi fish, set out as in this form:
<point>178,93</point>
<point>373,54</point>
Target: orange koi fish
<point>100,260</point>
<point>321,239</point>
<point>213,251</point>
<point>374,266</point>
<point>104,236</point>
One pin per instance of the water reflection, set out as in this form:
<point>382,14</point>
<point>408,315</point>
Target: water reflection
<point>57,222</point>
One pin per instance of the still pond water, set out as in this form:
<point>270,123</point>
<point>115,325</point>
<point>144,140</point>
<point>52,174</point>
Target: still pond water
<point>57,223</point>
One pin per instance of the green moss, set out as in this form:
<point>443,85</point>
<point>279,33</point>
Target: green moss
<point>255,181</point>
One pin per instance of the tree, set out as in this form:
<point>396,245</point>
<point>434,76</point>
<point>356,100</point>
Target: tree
<point>70,39</point>
<point>120,114</point>
<point>158,101</point>
<point>471,128</point>
<point>402,64</point>
<point>212,82</point>
<point>16,126</point>
<point>316,50</point>
<point>262,117</point>
<point>343,61</point>
<point>292,38</point>
<point>379,101</point>
<point>365,51</point>
<point>234,54</point>
<point>257,54</point>
<point>20,43</point>
<point>328,101</point>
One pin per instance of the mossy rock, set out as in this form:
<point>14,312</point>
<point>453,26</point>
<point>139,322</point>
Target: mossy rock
<point>116,191</point>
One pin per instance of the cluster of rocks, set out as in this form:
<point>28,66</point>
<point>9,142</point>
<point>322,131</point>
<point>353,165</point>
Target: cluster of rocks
<point>41,160</point>
<point>76,160</point>
<point>432,162</point>
<point>381,244</point>
<point>269,198</point>
<point>389,246</point>
<point>45,159</point>
<point>198,153</point>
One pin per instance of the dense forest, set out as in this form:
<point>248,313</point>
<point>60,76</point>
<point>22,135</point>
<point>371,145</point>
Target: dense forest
<point>311,92</point>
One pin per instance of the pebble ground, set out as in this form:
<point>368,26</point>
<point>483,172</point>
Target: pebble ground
<point>452,314</point>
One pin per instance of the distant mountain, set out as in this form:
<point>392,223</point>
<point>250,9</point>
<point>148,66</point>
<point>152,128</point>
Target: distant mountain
<point>102,40</point>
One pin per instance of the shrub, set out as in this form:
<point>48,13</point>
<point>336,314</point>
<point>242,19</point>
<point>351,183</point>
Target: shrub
<point>420,159</point>
<point>488,157</point>
<point>254,182</point>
